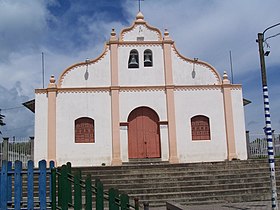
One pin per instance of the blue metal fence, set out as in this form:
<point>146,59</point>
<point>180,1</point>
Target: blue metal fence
<point>14,180</point>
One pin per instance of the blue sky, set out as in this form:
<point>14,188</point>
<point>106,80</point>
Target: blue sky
<point>69,31</point>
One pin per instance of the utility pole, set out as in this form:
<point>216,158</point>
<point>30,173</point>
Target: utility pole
<point>268,130</point>
<point>43,70</point>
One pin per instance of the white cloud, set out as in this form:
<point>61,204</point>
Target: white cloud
<point>22,25</point>
<point>18,119</point>
<point>209,29</point>
<point>203,29</point>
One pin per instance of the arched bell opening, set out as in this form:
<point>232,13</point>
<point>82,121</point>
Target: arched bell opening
<point>148,58</point>
<point>133,60</point>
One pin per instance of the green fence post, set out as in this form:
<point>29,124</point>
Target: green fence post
<point>88,193</point>
<point>64,184</point>
<point>99,195</point>
<point>53,188</point>
<point>113,195</point>
<point>136,203</point>
<point>124,201</point>
<point>69,184</point>
<point>59,190</point>
<point>77,191</point>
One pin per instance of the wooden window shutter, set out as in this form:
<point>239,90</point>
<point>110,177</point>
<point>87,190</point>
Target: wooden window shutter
<point>200,128</point>
<point>84,130</point>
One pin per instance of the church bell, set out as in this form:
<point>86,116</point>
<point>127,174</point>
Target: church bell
<point>133,63</point>
<point>147,60</point>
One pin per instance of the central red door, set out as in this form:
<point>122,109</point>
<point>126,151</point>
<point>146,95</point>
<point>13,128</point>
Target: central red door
<point>143,134</point>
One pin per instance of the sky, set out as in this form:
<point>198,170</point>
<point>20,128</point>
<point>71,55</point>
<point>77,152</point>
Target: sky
<point>70,31</point>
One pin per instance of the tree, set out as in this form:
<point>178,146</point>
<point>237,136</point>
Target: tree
<point>1,121</point>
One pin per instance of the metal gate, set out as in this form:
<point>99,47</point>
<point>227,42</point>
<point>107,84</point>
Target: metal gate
<point>12,149</point>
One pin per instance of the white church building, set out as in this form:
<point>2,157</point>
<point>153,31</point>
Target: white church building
<point>140,99</point>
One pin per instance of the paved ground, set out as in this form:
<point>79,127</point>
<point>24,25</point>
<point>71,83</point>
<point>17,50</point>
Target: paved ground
<point>260,205</point>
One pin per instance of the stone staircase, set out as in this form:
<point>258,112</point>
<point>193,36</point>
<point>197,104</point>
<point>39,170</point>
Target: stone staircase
<point>188,184</point>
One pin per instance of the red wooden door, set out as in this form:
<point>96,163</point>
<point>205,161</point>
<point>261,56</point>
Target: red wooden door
<point>143,134</point>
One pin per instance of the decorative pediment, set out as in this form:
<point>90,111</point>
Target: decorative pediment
<point>140,31</point>
<point>76,71</point>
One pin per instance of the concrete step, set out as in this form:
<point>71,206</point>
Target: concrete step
<point>203,197</point>
<point>190,183</point>
<point>211,199</point>
<point>178,167</point>
<point>187,184</point>
<point>162,173</point>
<point>198,188</point>
<point>152,180</point>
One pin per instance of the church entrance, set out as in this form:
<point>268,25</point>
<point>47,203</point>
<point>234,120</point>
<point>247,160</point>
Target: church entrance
<point>143,134</point>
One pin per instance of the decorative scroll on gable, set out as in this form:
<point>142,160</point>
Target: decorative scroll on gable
<point>140,31</point>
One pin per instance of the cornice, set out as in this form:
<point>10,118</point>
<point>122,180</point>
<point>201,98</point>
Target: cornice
<point>139,43</point>
<point>236,87</point>
<point>84,90</point>
<point>197,87</point>
<point>139,88</point>
<point>41,91</point>
<point>205,87</point>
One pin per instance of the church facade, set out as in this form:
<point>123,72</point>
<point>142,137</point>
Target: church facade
<point>139,99</point>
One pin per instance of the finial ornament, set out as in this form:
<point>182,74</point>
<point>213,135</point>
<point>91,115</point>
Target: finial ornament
<point>52,79</point>
<point>113,35</point>
<point>52,82</point>
<point>166,33</point>
<point>139,16</point>
<point>225,78</point>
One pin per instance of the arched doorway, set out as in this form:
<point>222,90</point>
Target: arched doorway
<point>143,134</point>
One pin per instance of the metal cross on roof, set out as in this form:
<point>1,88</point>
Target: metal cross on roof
<point>139,4</point>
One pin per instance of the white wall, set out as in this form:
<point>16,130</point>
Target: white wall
<point>71,106</point>
<point>183,72</point>
<point>141,30</point>
<point>189,103</point>
<point>239,124</point>
<point>99,74</point>
<point>41,127</point>
<point>143,75</point>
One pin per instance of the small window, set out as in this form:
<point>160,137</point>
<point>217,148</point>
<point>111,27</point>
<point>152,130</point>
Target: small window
<point>133,60</point>
<point>140,38</point>
<point>200,128</point>
<point>148,58</point>
<point>84,130</point>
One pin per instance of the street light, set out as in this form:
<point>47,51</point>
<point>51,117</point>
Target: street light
<point>268,130</point>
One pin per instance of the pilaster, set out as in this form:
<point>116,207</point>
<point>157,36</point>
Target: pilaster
<point>115,115</point>
<point>170,104</point>
<point>231,148</point>
<point>52,91</point>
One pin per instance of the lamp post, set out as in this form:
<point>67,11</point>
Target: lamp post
<point>268,130</point>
